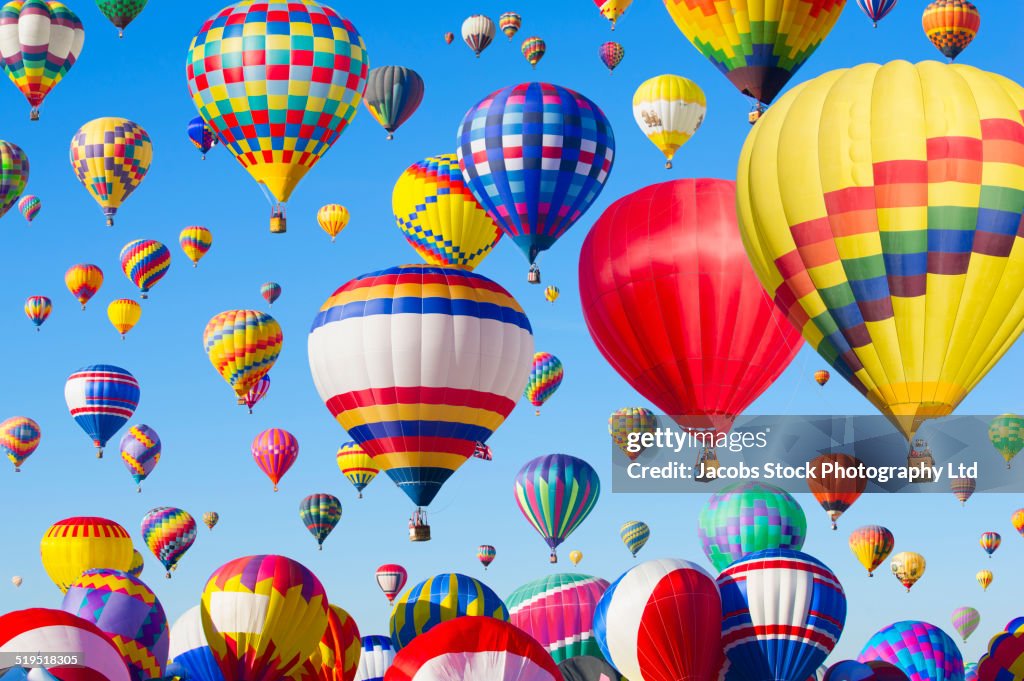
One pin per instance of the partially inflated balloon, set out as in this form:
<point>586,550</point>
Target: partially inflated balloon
<point>545,377</point>
<point>83,281</point>
<point>29,205</point>
<point>509,23</point>
<point>478,32</point>
<point>965,621</point>
<point>876,9</point>
<point>393,93</point>
<point>169,533</point>
<point>101,398</point>
<point>140,451</point>
<point>13,174</point>
<point>439,599</point>
<point>201,135</point>
<point>320,513</point>
<point>951,25</point>
<point>210,519</point>
<point>124,314</point>
<point>19,438</point>
<point>558,611</point>
<point>908,567</point>
<point>555,494</point>
<point>391,579</point>
<point>357,466</point>
<point>145,262</point>
<point>533,50</point>
<point>121,12</point>
<point>195,241</point>
<point>634,535</point>
<point>332,218</point>
<point>242,346</point>
<point>74,545</point>
<point>612,9</point>
<point>871,545</point>
<point>61,634</point>
<point>920,650</point>
<point>669,110</point>
<point>110,157</point>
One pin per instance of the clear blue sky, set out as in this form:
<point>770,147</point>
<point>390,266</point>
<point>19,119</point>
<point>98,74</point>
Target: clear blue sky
<point>207,465</point>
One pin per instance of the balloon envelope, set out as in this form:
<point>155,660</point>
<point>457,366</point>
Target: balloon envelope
<point>558,612</point>
<point>920,650</point>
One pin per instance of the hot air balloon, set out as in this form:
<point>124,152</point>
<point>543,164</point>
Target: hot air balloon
<point>821,377</point>
<point>844,670</point>
<point>611,54</point>
<point>39,43</point>
<point>1006,433</point>
<point>1017,520</point>
<point>17,581</point>
<point>270,291</point>
<point>189,649</point>
<point>461,367</point>
<point>138,564</point>
<point>201,135</point>
<point>877,344</point>
<point>509,23</point>
<point>110,157</point>
<point>242,346</point>
<point>588,668</point>
<point>551,294</point>
<point>257,392</point>
<point>29,205</point>
<point>127,611</point>
<point>758,57</point>
<point>336,658</point>
<point>990,541</point>
<point>275,450</point>
<point>449,37</point>
<point>440,217</point>
<point>145,262</point>
<point>612,9</point>
<point>647,260</point>
<point>74,545</point>
<point>478,32</point>
<point>535,206</point>
<point>101,399</point>
<point>783,613</point>
<point>169,533</point>
<point>545,377</point>
<point>629,420</point>
<point>485,553</point>
<point>61,634</point>
<point>661,620</point>
<point>376,658</point>
<point>871,545</point>
<point>210,519</point>
<point>357,466</point>
<point>876,9</point>
<point>971,671</point>
<point>262,615</point>
<point>391,579</point>
<point>634,535</point>
<point>332,219</point>
<point>558,612</point>
<point>474,649</point>
<point>14,168</point>
<point>124,314</point>
<point>918,649</point>
<point>836,491</point>
<point>907,567</point>
<point>533,50</point>
<point>575,557</point>
<point>121,12</point>
<point>965,621</point>
<point>951,25</point>
<point>323,89</point>
<point>83,281</point>
<point>195,241</point>
<point>984,578</point>
<point>669,110</point>
<point>19,438</point>
<point>439,599</point>
<point>1003,659</point>
<point>556,493</point>
<point>320,513</point>
<point>393,93</point>
<point>962,488</point>
<point>140,451</point>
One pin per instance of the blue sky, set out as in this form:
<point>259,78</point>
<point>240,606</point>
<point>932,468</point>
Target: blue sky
<point>207,465</point>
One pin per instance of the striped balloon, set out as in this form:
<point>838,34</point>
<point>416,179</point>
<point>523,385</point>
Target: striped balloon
<point>391,579</point>
<point>440,599</point>
<point>83,280</point>
<point>1006,433</point>
<point>984,578</point>
<point>558,611</point>
<point>137,565</point>
<point>393,93</point>
<point>1004,660</point>
<point>274,451</point>
<point>140,451</point>
<point>101,399</point>
<point>189,649</point>
<point>19,437</point>
<point>37,309</point>
<point>356,465</point>
<point>962,488</point>
<point>768,636</point>
<point>965,621</point>
<point>169,533</point>
<point>545,377</point>
<point>242,346</point>
<point>14,169</point>
<point>332,219</point>
<point>124,314</point>
<point>990,541</point>
<point>478,32</point>
<point>876,9</point>
<point>611,54</point>
<point>634,535</point>
<point>485,553</point>
<point>127,611</point>
<point>951,25</point>
<point>533,50</point>
<point>74,545</point>
<point>110,157</point>
<point>509,23</point>
<point>320,513</point>
<point>29,204</point>
<point>920,650</point>
<point>337,656</point>
<point>145,262</point>
<point>195,241</point>
<point>376,658</point>
<point>257,392</point>
<point>270,291</point>
<point>629,420</point>
<point>419,364</point>
<point>57,632</point>
<point>210,519</point>
<point>556,493</point>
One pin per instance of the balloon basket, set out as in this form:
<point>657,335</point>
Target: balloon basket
<point>419,533</point>
<point>533,276</point>
<point>553,558</point>
<point>278,224</point>
<point>34,114</point>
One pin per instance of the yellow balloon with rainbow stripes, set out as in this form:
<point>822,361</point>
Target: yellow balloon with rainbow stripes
<point>242,346</point>
<point>669,110</point>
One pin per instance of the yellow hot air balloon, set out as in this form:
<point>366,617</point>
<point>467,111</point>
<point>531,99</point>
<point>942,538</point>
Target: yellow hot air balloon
<point>83,280</point>
<point>110,157</point>
<point>880,210</point>
<point>984,578</point>
<point>669,110</point>
<point>242,346</point>
<point>124,314</point>
<point>575,557</point>
<point>612,9</point>
<point>440,217</point>
<point>908,567</point>
<point>332,219</point>
<point>74,545</point>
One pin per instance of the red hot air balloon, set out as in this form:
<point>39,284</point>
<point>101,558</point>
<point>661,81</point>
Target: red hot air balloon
<point>673,304</point>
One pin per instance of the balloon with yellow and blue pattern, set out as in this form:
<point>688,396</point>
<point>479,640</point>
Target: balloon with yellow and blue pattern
<point>439,599</point>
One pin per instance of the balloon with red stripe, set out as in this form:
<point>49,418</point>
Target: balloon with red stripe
<point>275,450</point>
<point>419,364</point>
<point>391,579</point>
<point>101,399</point>
<point>43,631</point>
<point>782,614</point>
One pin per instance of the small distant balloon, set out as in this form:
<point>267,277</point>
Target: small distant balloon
<point>478,32</point>
<point>124,314</point>
<point>37,309</point>
<point>821,377</point>
<point>907,567</point>
<point>984,578</point>
<point>575,557</point>
<point>393,93</point>
<point>140,451</point>
<point>545,377</point>
<point>612,9</point>
<point>275,451</point>
<point>962,488</point>
<point>30,205</point>
<point>270,291</point>
<point>951,25</point>
<point>201,135</point>
<point>485,553</point>
<point>551,294</point>
<point>196,242</point>
<point>83,280</point>
<point>19,439</point>
<point>332,219</point>
<point>210,519</point>
<point>509,23</point>
<point>145,262</point>
<point>449,37</point>
<point>990,541</point>
<point>611,54</point>
<point>533,50</point>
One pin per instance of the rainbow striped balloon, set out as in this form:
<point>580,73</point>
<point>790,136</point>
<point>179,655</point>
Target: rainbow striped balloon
<point>242,346</point>
<point>556,493</point>
<point>545,377</point>
<point>101,399</point>
<point>357,466</point>
<point>37,309</point>
<point>558,611</point>
<point>30,205</point>
<point>140,451</point>
<point>440,599</point>
<point>110,157</point>
<point>275,450</point>
<point>169,533</point>
<point>145,262</point>
<point>195,241</point>
<point>533,50</point>
<point>485,553</point>
<point>19,437</point>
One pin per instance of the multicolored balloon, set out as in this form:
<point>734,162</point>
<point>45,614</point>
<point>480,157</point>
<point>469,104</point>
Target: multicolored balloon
<point>545,377</point>
<point>242,346</point>
<point>110,157</point>
<point>920,650</point>
<point>127,611</point>
<point>124,314</point>
<point>821,377</point>
<point>876,9</point>
<point>57,632</point>
<point>37,309</point>
<point>669,110</point>
<point>984,578</point>
<point>19,438</point>
<point>440,217</point>
<point>551,294</point>
<point>14,169</point>
<point>990,541</point>
<point>439,599</point>
<point>611,54</point>
<point>951,25</point>
<point>257,392</point>
<point>270,291</point>
<point>1003,660</point>
<point>485,553</point>
<point>391,579</point>
<point>971,671</point>
<point>189,649</point>
<point>836,492</point>
<point>332,218</point>
<point>195,241</point>
<point>320,513</point>
<point>357,466</point>
<point>337,656</point>
<point>634,535</point>
<point>629,420</point>
<point>275,450</point>
<point>138,564</point>
<point>101,399</point>
<point>509,23</point>
<point>962,488</point>
<point>201,135</point>
<point>533,50</point>
<point>558,612</point>
<point>477,33</point>
<point>74,545</point>
<point>871,545</point>
<point>327,97</point>
<point>145,262</point>
<point>393,93</point>
<point>29,205</point>
<point>556,493</point>
<point>168,532</point>
<point>376,658</point>
<point>121,12</point>
<point>965,621</point>
<point>140,451</point>
<point>535,206</point>
<point>612,9</point>
<point>83,281</point>
<point>908,567</point>
<point>210,519</point>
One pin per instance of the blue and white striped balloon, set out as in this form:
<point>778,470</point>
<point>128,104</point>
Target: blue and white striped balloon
<point>189,649</point>
<point>377,656</point>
